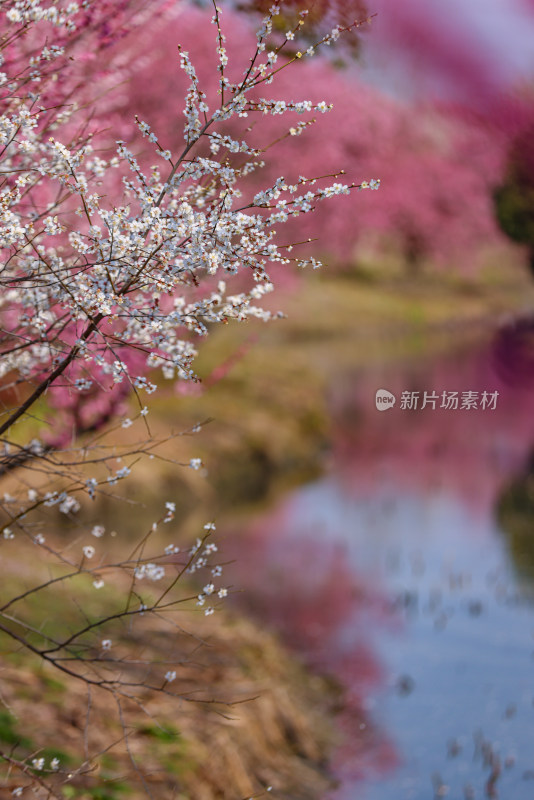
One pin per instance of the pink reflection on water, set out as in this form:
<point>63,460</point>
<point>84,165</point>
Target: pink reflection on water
<point>300,582</point>
<point>306,590</point>
<point>468,453</point>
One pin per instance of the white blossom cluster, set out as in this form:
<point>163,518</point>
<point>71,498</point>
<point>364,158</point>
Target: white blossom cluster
<point>198,558</point>
<point>153,572</point>
<point>39,764</point>
<point>111,269</point>
<point>149,268</point>
<point>31,11</point>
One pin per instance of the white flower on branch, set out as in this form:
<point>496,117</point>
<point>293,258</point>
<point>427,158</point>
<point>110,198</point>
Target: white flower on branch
<point>114,270</point>
<point>90,485</point>
<point>162,234</point>
<point>153,572</point>
<point>68,504</point>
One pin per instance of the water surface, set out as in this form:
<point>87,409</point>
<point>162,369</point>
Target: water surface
<point>406,571</point>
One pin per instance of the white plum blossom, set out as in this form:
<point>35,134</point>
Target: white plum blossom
<point>68,504</point>
<point>113,271</point>
<point>153,572</point>
<point>165,232</point>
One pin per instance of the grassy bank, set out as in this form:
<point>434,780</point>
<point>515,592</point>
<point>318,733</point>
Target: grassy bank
<point>244,715</point>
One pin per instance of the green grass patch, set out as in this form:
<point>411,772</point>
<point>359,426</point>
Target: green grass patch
<point>8,732</point>
<point>163,733</point>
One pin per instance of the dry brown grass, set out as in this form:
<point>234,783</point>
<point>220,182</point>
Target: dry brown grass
<point>249,717</point>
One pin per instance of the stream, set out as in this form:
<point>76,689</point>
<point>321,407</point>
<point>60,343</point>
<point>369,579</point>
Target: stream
<point>407,572</point>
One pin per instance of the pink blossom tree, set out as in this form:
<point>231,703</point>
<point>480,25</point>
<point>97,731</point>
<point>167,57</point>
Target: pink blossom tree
<point>438,168</point>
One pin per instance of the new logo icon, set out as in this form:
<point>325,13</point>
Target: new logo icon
<point>384,400</point>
